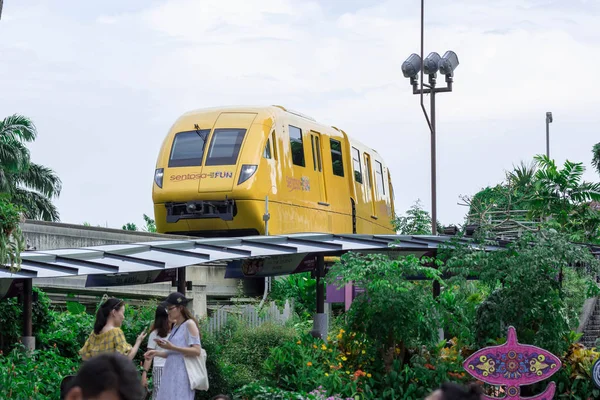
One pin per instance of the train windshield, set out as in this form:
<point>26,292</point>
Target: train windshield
<point>225,146</point>
<point>188,148</point>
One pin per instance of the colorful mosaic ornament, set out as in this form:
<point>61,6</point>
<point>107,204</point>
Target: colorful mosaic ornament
<point>514,365</point>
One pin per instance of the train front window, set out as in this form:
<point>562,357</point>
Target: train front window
<point>188,148</point>
<point>225,146</point>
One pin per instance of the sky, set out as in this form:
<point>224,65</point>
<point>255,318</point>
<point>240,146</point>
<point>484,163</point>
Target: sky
<point>104,81</point>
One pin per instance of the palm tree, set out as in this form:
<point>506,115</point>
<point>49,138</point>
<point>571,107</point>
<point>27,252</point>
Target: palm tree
<point>28,185</point>
<point>596,157</point>
<point>559,191</point>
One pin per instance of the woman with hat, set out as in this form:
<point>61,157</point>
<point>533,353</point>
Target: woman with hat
<point>183,341</point>
<point>107,336</point>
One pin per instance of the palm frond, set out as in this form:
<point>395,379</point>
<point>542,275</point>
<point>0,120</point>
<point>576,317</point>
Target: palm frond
<point>18,127</point>
<point>40,178</point>
<point>596,157</point>
<point>14,155</point>
<point>35,205</point>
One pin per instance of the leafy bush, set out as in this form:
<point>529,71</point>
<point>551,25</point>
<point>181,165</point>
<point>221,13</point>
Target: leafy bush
<point>237,352</point>
<point>67,333</point>
<point>11,319</point>
<point>301,288</point>
<point>33,375</point>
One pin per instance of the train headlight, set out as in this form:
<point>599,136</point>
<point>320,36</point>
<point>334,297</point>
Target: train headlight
<point>247,172</point>
<point>158,177</point>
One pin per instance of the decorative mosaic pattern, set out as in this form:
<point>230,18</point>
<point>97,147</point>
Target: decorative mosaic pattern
<point>514,365</point>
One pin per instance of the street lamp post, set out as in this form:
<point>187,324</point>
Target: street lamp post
<point>430,66</point>
<point>548,122</point>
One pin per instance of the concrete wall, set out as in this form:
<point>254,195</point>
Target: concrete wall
<point>208,281</point>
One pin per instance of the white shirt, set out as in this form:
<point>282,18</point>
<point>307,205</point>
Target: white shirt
<point>158,361</point>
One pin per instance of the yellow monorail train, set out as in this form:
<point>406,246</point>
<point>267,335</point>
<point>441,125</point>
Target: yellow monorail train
<point>217,166</point>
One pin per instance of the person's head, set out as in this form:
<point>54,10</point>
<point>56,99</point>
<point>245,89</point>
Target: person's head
<point>221,397</point>
<point>112,310</point>
<point>161,320</point>
<point>176,307</point>
<point>109,376</point>
<point>453,391</point>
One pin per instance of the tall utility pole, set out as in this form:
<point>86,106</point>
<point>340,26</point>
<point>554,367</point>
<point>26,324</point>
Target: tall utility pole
<point>1,1</point>
<point>548,122</point>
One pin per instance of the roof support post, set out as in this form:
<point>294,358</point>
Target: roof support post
<point>181,280</point>
<point>28,339</point>
<point>320,325</point>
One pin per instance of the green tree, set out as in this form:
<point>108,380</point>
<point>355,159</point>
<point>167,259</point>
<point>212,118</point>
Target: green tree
<point>28,185</point>
<point>416,222</point>
<point>130,226</point>
<point>393,312</point>
<point>12,242</point>
<point>561,193</point>
<point>527,282</point>
<point>150,224</point>
<point>596,157</point>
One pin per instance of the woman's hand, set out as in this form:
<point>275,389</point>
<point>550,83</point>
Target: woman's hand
<point>150,354</point>
<point>141,336</point>
<point>144,380</point>
<point>165,344</point>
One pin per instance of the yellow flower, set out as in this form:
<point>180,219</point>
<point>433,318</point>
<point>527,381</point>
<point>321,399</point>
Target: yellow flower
<point>323,347</point>
<point>364,352</point>
<point>298,342</point>
<point>328,338</point>
<point>348,353</point>
<point>348,372</point>
<point>326,374</point>
<point>344,358</point>
<point>330,350</point>
<point>309,364</point>
<point>342,331</point>
<point>314,346</point>
<point>369,375</point>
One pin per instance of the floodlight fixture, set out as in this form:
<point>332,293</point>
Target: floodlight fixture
<point>412,66</point>
<point>448,63</point>
<point>431,63</point>
<point>549,117</point>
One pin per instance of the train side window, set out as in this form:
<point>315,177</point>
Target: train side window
<point>297,146</point>
<point>267,152</point>
<point>336,157</point>
<point>312,144</point>
<point>318,146</point>
<point>274,142</point>
<point>379,178</point>
<point>356,163</point>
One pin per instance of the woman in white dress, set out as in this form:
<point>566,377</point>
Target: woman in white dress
<point>160,330</point>
<point>183,341</point>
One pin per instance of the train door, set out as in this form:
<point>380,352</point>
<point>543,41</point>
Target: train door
<point>316,146</point>
<point>370,189</point>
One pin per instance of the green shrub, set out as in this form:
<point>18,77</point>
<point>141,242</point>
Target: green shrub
<point>67,333</point>
<point>33,375</point>
<point>11,319</point>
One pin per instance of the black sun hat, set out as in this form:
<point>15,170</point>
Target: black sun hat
<point>176,299</point>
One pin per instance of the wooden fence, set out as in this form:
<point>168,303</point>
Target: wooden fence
<point>250,315</point>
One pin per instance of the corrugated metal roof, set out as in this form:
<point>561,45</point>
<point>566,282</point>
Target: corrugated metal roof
<point>165,255</point>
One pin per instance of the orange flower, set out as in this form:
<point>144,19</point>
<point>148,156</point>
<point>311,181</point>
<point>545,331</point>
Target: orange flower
<point>309,364</point>
<point>429,366</point>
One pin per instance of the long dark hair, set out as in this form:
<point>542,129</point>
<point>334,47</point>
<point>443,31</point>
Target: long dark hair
<point>104,311</point>
<point>161,321</point>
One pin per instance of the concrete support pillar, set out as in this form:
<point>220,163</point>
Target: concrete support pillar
<point>28,339</point>
<point>320,322</point>
<point>198,307</point>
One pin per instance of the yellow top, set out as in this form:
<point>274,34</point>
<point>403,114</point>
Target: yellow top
<point>107,342</point>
